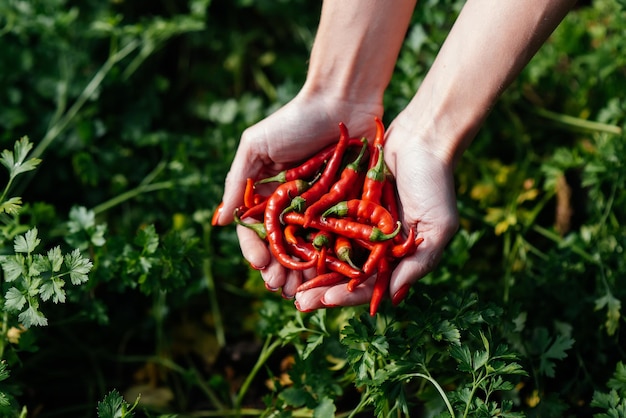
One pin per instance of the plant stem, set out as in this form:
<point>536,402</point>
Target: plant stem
<point>361,404</point>
<point>3,336</point>
<point>210,282</point>
<point>84,96</point>
<point>437,386</point>
<point>132,193</point>
<point>166,362</point>
<point>266,352</point>
<point>6,189</point>
<point>578,123</point>
<point>250,412</point>
<point>559,241</point>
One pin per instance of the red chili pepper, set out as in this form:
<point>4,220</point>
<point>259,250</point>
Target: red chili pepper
<point>290,234</point>
<point>364,211</point>
<point>300,203</point>
<point>309,168</point>
<point>342,226</point>
<point>396,251</point>
<point>328,279</point>
<point>343,250</point>
<point>407,247</point>
<point>307,252</point>
<point>389,199</point>
<point>375,179</point>
<point>276,203</point>
<point>338,191</point>
<point>216,214</point>
<point>377,254</point>
<point>321,261</point>
<point>248,194</point>
<point>379,139</point>
<point>259,198</point>
<point>255,211</point>
<point>381,285</point>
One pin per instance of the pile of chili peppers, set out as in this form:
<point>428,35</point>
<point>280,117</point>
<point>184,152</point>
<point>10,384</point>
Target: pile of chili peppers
<point>336,213</point>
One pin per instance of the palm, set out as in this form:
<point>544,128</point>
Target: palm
<point>292,134</point>
<point>427,202</point>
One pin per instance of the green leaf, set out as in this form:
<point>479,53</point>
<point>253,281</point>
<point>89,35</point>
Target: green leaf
<point>618,381</point>
<point>605,400</point>
<point>78,267</point>
<point>15,161</point>
<point>313,341</point>
<point>613,315</point>
<point>553,351</point>
<point>294,396</point>
<point>53,288</point>
<point>13,267</point>
<point>448,332</point>
<point>480,358</point>
<point>26,243</point>
<point>80,218</point>
<point>14,300</point>
<point>114,406</point>
<point>462,354</point>
<point>32,317</point>
<point>148,239</point>
<point>326,408</point>
<point>56,259</point>
<point>5,399</point>
<point>4,371</point>
<point>11,206</point>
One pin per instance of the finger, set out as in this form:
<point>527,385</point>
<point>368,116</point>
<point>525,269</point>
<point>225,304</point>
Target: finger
<point>292,281</point>
<point>253,248</point>
<point>244,165</point>
<point>310,300</point>
<point>340,295</point>
<point>274,275</point>
<point>413,268</point>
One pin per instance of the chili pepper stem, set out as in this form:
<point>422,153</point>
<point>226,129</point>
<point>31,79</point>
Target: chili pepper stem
<point>257,227</point>
<point>278,178</point>
<point>378,235</point>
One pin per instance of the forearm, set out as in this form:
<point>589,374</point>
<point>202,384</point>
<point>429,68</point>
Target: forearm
<point>490,43</point>
<point>356,48</point>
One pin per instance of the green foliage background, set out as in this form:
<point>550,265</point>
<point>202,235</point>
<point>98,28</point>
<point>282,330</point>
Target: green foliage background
<point>135,109</point>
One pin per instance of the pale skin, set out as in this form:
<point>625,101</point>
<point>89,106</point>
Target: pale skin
<point>351,64</point>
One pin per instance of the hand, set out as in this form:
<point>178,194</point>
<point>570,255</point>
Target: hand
<point>427,203</point>
<point>295,132</point>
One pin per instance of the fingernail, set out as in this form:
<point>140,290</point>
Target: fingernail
<point>257,268</point>
<point>328,305</point>
<point>216,214</point>
<point>298,307</point>
<point>288,297</point>
<point>400,294</point>
<point>268,287</point>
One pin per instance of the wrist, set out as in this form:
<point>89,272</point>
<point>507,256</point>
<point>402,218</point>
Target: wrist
<point>443,130</point>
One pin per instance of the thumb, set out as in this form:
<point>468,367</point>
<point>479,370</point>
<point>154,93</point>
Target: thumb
<point>413,268</point>
<point>235,184</point>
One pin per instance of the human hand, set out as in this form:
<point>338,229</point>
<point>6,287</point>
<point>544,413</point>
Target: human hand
<point>427,201</point>
<point>295,132</point>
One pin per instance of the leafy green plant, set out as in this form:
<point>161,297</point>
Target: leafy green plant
<point>137,109</point>
<point>29,278</point>
<point>612,403</point>
<point>113,405</point>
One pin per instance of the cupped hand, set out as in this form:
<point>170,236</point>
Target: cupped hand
<point>292,134</point>
<point>427,201</point>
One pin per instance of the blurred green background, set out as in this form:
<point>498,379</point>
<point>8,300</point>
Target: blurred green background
<point>136,109</point>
